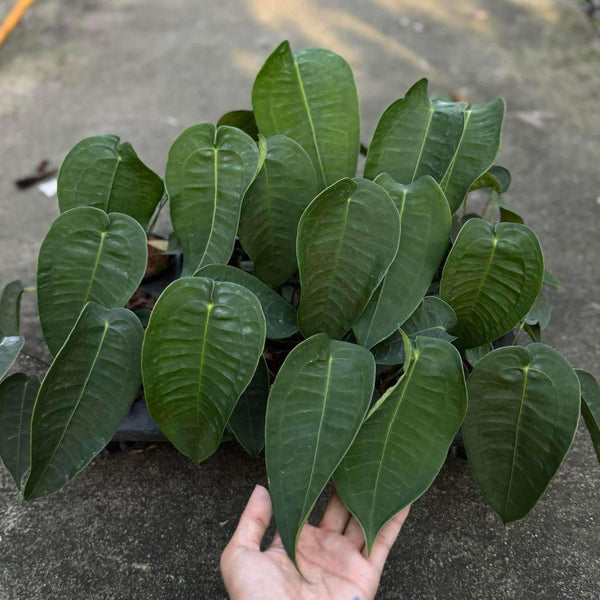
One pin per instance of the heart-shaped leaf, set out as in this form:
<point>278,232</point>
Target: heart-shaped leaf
<point>247,421</point>
<point>590,406</point>
<point>84,397</point>
<point>242,119</point>
<point>347,239</point>
<point>280,315</point>
<point>87,255</point>
<point>272,208</point>
<point>310,96</point>
<point>522,417</point>
<point>415,137</point>
<point>208,173</point>
<point>403,443</point>
<point>496,178</point>
<point>477,150</point>
<point>316,406</point>
<point>425,224</point>
<point>433,318</point>
<point>10,308</point>
<point>9,352</point>
<point>17,397</point>
<point>201,349</point>
<point>491,279</point>
<point>106,174</point>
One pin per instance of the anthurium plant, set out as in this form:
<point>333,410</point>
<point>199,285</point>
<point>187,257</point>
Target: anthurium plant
<point>347,324</point>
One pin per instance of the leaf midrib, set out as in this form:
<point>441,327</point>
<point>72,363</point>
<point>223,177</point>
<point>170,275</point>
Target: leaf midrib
<point>448,174</point>
<point>103,235</point>
<point>20,429</point>
<point>420,155</point>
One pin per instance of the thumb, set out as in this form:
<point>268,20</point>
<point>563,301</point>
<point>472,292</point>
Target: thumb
<point>254,520</point>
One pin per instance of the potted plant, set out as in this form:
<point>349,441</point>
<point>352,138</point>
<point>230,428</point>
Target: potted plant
<point>347,324</point>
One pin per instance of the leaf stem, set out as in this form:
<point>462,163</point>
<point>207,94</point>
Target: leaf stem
<point>36,358</point>
<point>161,204</point>
<point>519,331</point>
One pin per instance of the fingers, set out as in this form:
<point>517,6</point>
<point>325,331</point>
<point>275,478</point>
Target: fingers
<point>336,515</point>
<point>386,538</point>
<point>254,520</point>
<point>354,534</point>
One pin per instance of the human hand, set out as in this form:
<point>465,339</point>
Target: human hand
<point>331,556</point>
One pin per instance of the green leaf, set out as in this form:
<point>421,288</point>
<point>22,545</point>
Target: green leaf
<point>84,397</point>
<point>87,255</point>
<point>474,355</point>
<point>507,213</point>
<point>590,406</point>
<point>247,420</point>
<point>522,417</point>
<point>310,96</point>
<point>9,352</point>
<point>551,280</point>
<point>491,279</point>
<point>272,208</point>
<point>17,397</point>
<point>316,406</point>
<point>103,173</point>
<point>280,315</point>
<point>477,150</point>
<point>540,312</point>
<point>347,239</point>
<point>403,444</point>
<point>433,318</point>
<point>496,178</point>
<point>415,137</point>
<point>425,224</point>
<point>242,119</point>
<point>533,331</point>
<point>208,173</point>
<point>200,351</point>
<point>10,307</point>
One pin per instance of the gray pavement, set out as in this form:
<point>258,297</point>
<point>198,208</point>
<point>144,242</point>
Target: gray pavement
<point>150,525</point>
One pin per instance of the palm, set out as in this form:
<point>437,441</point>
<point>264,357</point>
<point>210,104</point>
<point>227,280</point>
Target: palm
<point>330,557</point>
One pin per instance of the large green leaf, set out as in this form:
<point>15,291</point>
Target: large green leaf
<point>17,397</point>
<point>590,406</point>
<point>247,421</point>
<point>522,417</point>
<point>242,119</point>
<point>425,224</point>
<point>496,178</point>
<point>208,173</point>
<point>477,150</point>
<point>310,96</point>
<point>87,255</point>
<point>491,279</point>
<point>201,349</point>
<point>101,172</point>
<point>10,307</point>
<point>347,239</point>
<point>279,314</point>
<point>84,397</point>
<point>433,318</point>
<point>316,406</point>
<point>272,208</point>
<point>403,444</point>
<point>415,137</point>
<point>9,351</point>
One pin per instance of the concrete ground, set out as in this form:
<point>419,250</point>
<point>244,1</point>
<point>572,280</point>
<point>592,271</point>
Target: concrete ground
<point>150,525</point>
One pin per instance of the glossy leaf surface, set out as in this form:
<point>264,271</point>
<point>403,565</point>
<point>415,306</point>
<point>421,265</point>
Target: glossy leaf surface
<point>87,256</point>
<point>522,417</point>
<point>425,224</point>
<point>17,397</point>
<point>104,173</point>
<point>310,96</point>
<point>474,355</point>
<point>84,397</point>
<point>415,137</point>
<point>208,173</point>
<point>272,208</point>
<point>247,421</point>
<point>347,238</point>
<point>9,351</point>
<point>280,315</point>
<point>201,349</point>
<point>433,318</point>
<point>316,406</point>
<point>242,119</point>
<point>491,279</point>
<point>477,150</point>
<point>403,443</point>
<point>10,308</point>
<point>590,406</point>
